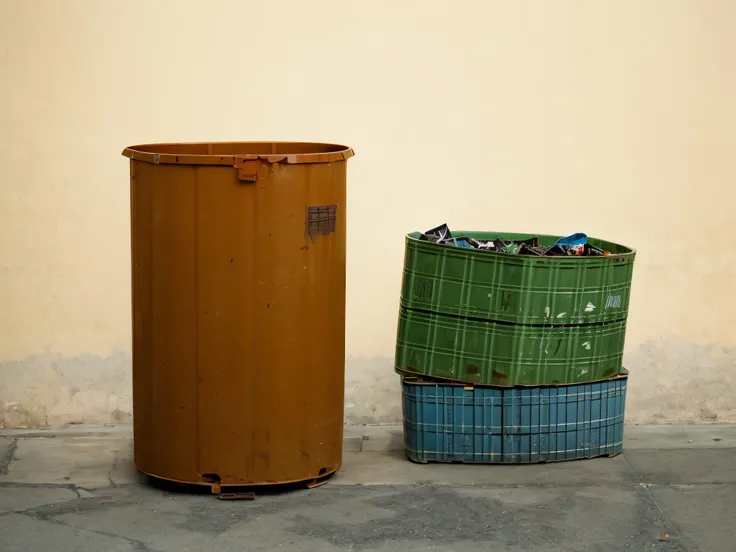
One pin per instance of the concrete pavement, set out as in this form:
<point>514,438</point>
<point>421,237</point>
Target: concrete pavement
<point>673,488</point>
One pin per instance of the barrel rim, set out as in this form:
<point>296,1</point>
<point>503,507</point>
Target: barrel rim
<point>232,153</point>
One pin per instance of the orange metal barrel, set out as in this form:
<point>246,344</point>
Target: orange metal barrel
<point>238,268</point>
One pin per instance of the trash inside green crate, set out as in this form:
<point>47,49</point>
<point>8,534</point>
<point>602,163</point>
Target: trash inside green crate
<point>516,288</point>
<point>492,353</point>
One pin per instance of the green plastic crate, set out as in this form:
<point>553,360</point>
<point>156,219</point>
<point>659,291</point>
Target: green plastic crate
<point>492,353</point>
<point>518,289</point>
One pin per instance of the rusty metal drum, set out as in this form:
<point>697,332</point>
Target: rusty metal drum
<point>238,285</point>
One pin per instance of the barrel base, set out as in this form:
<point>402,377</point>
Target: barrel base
<point>218,488</point>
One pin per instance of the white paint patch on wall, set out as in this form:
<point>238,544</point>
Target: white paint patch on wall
<point>372,391</point>
<point>676,381</point>
<point>670,381</point>
<point>48,390</point>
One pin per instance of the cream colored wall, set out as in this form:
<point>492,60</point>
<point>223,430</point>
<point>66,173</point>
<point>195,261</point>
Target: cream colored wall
<point>614,118</point>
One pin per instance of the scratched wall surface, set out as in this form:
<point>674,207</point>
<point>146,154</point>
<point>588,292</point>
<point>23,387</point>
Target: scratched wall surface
<point>611,118</point>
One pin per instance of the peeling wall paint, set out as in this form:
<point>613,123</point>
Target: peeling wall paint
<point>676,381</point>
<point>372,391</point>
<point>48,389</point>
<point>670,381</point>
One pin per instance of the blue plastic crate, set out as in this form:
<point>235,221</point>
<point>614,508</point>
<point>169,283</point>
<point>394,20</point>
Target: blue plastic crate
<point>456,423</point>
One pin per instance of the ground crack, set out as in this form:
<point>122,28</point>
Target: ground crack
<point>135,543</point>
<point>645,486</point>
<point>5,461</point>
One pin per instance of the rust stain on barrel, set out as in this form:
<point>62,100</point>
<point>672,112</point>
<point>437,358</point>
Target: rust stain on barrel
<point>238,329</point>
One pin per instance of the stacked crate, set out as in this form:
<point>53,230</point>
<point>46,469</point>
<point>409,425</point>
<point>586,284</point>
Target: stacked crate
<point>512,358</point>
